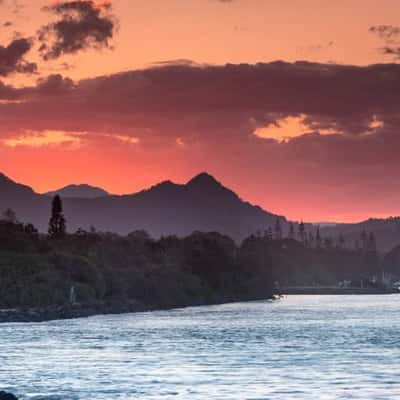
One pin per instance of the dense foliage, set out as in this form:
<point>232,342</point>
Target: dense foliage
<point>202,268</point>
<point>199,269</point>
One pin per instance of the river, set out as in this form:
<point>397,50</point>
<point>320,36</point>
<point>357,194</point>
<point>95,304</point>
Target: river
<point>301,347</point>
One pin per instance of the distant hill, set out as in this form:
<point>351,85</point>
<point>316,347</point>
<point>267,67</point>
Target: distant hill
<point>23,200</point>
<point>12,190</point>
<point>79,191</point>
<point>386,231</point>
<point>203,204</point>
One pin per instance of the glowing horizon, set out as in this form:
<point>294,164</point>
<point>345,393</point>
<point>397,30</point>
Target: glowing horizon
<point>165,89</point>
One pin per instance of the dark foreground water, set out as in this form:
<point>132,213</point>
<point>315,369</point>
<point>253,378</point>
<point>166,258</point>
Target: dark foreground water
<point>303,347</point>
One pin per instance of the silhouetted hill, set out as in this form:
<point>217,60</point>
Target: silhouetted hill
<point>79,191</point>
<point>10,188</point>
<point>29,205</point>
<point>386,231</point>
<point>203,204</point>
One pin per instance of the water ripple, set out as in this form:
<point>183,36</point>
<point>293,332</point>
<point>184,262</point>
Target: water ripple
<point>304,347</point>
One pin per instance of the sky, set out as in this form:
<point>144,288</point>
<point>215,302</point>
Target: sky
<point>293,103</point>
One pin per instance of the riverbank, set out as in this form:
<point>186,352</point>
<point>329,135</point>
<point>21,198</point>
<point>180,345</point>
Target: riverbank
<point>329,290</point>
<point>61,312</point>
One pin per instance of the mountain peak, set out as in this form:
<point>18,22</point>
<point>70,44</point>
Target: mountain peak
<point>79,191</point>
<point>7,183</point>
<point>203,179</point>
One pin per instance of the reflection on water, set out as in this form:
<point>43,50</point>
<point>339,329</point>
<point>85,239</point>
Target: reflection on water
<point>303,347</point>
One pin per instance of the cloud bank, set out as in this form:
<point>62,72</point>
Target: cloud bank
<point>314,133</point>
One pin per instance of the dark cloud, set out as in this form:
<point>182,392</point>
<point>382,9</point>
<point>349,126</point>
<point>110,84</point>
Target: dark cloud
<point>176,62</point>
<point>8,92</point>
<point>54,84</point>
<point>317,48</point>
<point>81,25</point>
<point>391,36</point>
<point>214,111</point>
<point>391,51</point>
<point>387,32</point>
<point>66,66</point>
<point>346,95</point>
<point>344,98</point>
<point>217,102</point>
<point>12,58</point>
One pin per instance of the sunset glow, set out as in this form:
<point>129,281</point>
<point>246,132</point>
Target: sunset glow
<point>46,138</point>
<point>283,129</point>
<point>150,92</point>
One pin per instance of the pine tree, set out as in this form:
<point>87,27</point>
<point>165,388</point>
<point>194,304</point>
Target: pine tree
<point>364,240</point>
<point>302,232</point>
<point>278,229</point>
<point>268,235</point>
<point>291,231</point>
<point>328,243</point>
<point>30,230</point>
<point>9,216</point>
<point>342,241</point>
<point>57,223</point>
<point>371,242</point>
<point>318,239</point>
<point>311,240</point>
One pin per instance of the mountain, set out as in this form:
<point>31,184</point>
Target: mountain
<point>10,188</point>
<point>386,231</point>
<point>79,191</point>
<point>202,204</point>
<point>29,205</point>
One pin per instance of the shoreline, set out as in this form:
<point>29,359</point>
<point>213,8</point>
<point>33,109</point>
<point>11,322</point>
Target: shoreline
<point>328,290</point>
<point>64,312</point>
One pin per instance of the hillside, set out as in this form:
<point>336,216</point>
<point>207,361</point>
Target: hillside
<point>386,231</point>
<point>202,204</point>
<point>79,191</point>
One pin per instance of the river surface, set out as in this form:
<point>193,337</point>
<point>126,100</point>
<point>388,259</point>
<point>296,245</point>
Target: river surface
<point>302,347</point>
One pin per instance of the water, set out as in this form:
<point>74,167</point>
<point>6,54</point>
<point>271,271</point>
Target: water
<point>303,347</point>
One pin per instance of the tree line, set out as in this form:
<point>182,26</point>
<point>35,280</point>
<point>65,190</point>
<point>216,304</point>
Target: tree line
<point>202,268</point>
<point>312,237</point>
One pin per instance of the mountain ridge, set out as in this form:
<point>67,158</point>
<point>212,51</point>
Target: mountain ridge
<point>201,204</point>
<point>83,190</point>
<point>168,208</point>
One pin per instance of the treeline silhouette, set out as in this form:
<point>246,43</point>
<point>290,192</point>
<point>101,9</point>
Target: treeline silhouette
<point>203,268</point>
<point>310,236</point>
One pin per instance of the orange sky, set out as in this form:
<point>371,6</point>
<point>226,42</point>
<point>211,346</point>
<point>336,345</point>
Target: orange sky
<point>209,32</point>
